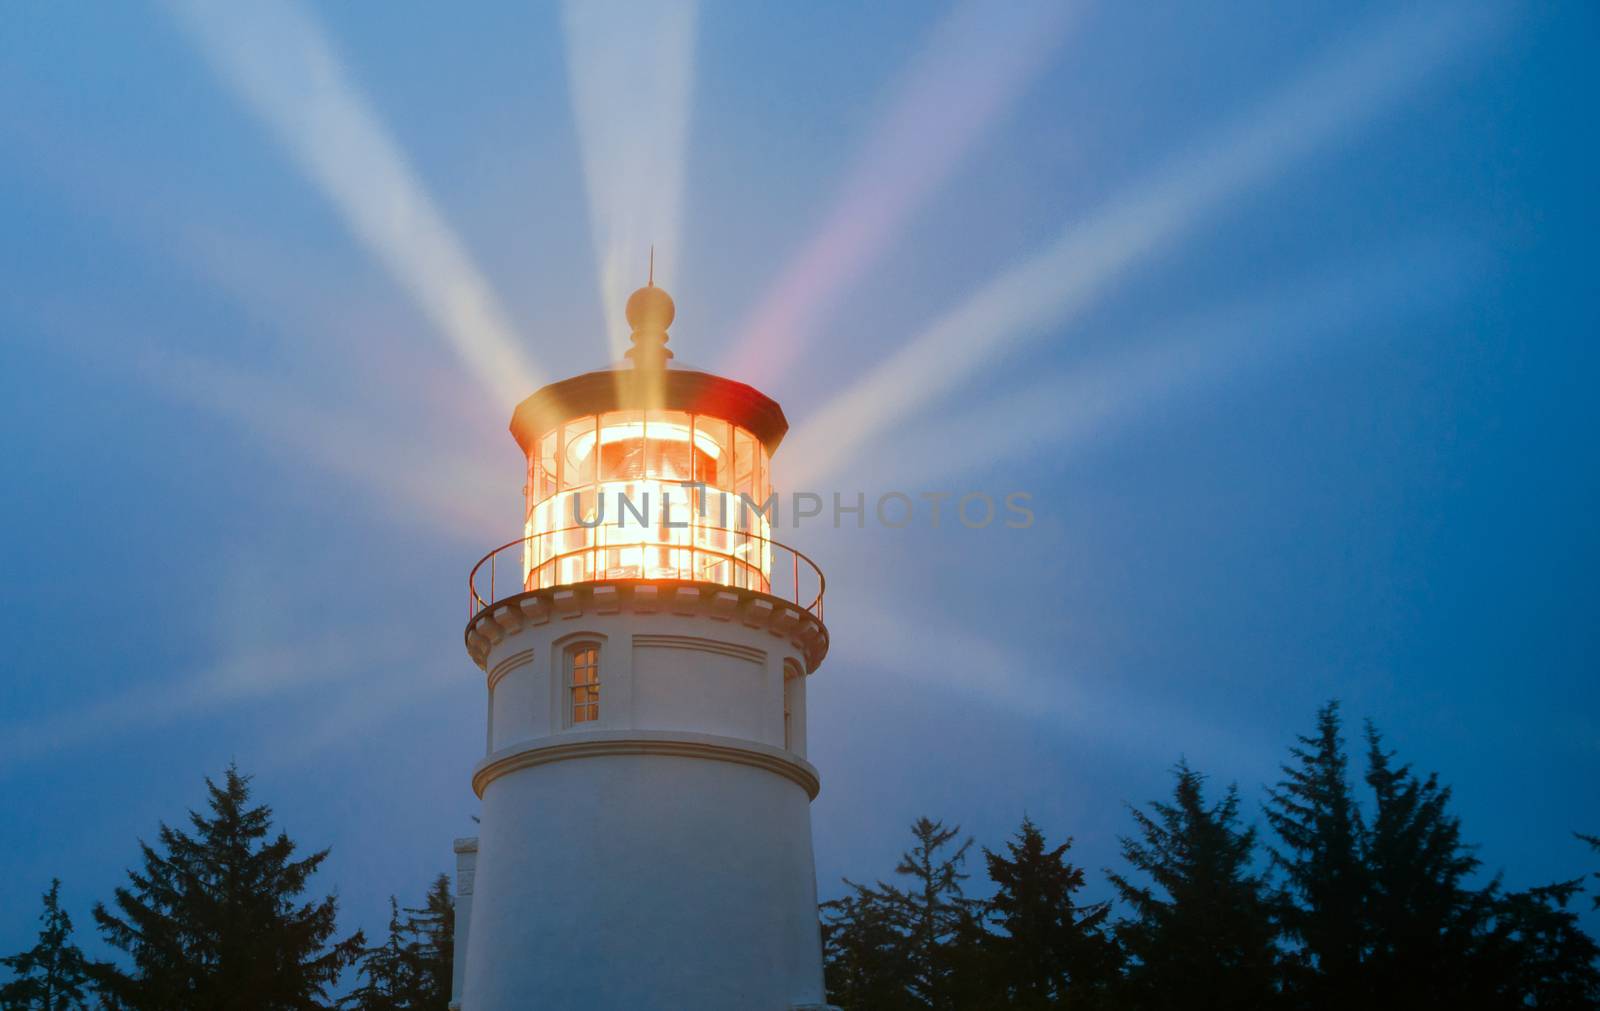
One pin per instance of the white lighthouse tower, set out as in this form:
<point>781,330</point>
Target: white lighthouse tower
<point>646,826</point>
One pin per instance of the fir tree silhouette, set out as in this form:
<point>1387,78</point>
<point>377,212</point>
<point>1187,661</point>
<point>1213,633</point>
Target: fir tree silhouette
<point>1423,924</point>
<point>1052,948</point>
<point>1320,904</point>
<point>52,975</point>
<point>1201,930</point>
<point>1594,844</point>
<point>389,972</point>
<point>892,946</point>
<point>432,927</point>
<point>212,921</point>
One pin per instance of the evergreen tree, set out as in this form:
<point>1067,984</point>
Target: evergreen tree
<point>1202,934</point>
<point>1594,844</point>
<point>1407,929</point>
<point>1052,946</point>
<point>410,971</point>
<point>389,972</point>
<point>213,922</point>
<point>433,929</point>
<point>934,909</point>
<point>865,957</point>
<point>1423,925</point>
<point>1538,955</point>
<point>1320,907</point>
<point>973,976</point>
<point>52,975</point>
<point>891,947</point>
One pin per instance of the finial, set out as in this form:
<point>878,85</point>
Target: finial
<point>650,311</point>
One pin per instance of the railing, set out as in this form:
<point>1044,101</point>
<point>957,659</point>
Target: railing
<point>756,563</point>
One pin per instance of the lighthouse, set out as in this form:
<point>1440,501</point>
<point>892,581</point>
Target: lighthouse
<point>645,837</point>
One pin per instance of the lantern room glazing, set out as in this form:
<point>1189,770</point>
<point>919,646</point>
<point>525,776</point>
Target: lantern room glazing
<point>647,494</point>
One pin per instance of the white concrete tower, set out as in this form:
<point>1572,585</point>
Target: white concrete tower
<point>646,827</point>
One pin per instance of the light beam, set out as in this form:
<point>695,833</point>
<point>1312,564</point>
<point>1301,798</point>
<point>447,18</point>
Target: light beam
<point>1052,417</point>
<point>975,670</point>
<point>630,73</point>
<point>276,57</point>
<point>1344,89</point>
<point>453,492</point>
<point>978,60</point>
<point>284,671</point>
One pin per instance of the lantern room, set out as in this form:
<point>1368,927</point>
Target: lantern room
<point>651,493</point>
<point>649,471</point>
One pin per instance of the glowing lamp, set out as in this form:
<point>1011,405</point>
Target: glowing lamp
<point>648,470</point>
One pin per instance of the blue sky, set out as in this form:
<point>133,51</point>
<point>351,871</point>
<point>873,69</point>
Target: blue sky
<point>1282,314</point>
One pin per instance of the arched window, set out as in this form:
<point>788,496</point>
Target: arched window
<point>792,675</point>
<point>788,720</point>
<point>583,683</point>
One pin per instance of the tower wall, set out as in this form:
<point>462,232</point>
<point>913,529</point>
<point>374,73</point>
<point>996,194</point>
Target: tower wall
<point>658,855</point>
<point>466,868</point>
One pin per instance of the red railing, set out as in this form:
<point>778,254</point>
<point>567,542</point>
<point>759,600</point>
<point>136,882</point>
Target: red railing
<point>776,569</point>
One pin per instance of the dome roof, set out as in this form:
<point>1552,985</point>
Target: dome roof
<point>631,389</point>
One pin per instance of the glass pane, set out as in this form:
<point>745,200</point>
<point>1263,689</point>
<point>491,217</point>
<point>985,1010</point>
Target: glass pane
<point>547,464</point>
<point>744,462</point>
<point>570,569</point>
<point>567,512</point>
<point>668,433</point>
<point>579,509</point>
<point>577,452</point>
<point>759,523</point>
<point>712,450</point>
<point>622,445</point>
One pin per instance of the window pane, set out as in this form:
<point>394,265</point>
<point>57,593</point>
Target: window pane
<point>622,446</point>
<point>712,450</point>
<point>744,459</point>
<point>763,472</point>
<point>583,676</point>
<point>547,464</point>
<point>668,432</point>
<point>759,522</point>
<point>530,493</point>
<point>577,453</point>
<point>583,664</point>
